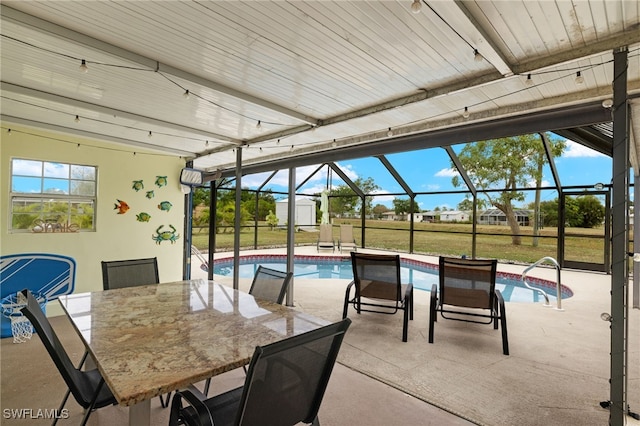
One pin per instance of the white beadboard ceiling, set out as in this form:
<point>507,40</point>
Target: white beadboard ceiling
<point>319,76</point>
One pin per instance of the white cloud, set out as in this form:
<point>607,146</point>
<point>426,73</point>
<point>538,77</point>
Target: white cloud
<point>544,183</point>
<point>576,150</point>
<point>446,173</point>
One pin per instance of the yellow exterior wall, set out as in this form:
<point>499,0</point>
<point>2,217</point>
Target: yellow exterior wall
<point>117,236</point>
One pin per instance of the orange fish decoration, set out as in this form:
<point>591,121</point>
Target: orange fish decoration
<point>122,207</point>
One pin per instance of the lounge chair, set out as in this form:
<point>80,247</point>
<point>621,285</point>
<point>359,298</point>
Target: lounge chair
<point>467,292</point>
<point>325,239</point>
<point>376,278</point>
<point>346,240</point>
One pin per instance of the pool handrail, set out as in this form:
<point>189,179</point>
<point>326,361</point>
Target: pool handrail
<point>558,285</point>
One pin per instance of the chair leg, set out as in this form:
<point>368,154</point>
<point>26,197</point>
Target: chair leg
<point>405,324</point>
<point>316,422</point>
<point>64,401</point>
<point>89,409</point>
<point>433,313</point>
<point>505,338</point>
<point>165,403</point>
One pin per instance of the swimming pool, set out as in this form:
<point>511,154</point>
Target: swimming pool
<point>421,274</point>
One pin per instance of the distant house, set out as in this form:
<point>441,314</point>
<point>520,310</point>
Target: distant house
<point>390,216</point>
<point>305,213</point>
<point>497,217</point>
<point>454,216</point>
<point>417,217</point>
<point>427,216</point>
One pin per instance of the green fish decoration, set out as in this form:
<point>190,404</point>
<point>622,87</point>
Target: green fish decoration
<point>143,217</point>
<point>161,181</point>
<point>165,206</point>
<point>150,194</point>
<point>138,185</point>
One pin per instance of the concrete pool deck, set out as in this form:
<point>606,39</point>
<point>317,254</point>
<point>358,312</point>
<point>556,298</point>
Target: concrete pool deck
<point>557,372</point>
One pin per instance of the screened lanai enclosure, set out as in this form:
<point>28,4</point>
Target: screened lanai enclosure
<point>238,88</point>
<point>452,219</point>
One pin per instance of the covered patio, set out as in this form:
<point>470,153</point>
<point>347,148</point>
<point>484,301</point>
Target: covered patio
<point>143,89</point>
<point>556,374</point>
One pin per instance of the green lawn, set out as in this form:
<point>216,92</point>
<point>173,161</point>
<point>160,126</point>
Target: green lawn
<point>429,238</point>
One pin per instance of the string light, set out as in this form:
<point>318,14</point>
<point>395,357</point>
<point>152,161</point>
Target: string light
<point>389,132</point>
<point>529,81</point>
<point>278,142</point>
<point>579,78</point>
<point>150,134</point>
<point>416,6</point>
<point>186,94</point>
<point>334,144</point>
<point>77,119</point>
<point>206,143</point>
<point>465,114</point>
<point>83,66</point>
<point>259,125</point>
<point>9,132</point>
<point>477,56</point>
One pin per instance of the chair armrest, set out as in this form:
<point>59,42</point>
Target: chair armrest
<point>409,290</point>
<point>500,301</point>
<point>195,398</point>
<point>434,292</point>
<point>346,299</point>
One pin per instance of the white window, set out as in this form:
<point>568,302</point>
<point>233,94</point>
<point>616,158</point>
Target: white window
<point>52,197</point>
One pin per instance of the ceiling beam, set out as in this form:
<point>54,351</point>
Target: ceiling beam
<point>593,48</point>
<point>52,97</point>
<point>96,136</point>
<point>547,120</point>
<point>77,37</point>
<point>485,45</point>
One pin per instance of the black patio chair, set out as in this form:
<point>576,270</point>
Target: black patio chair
<point>132,273</point>
<point>467,292</point>
<point>129,273</point>
<point>376,279</point>
<point>269,284</point>
<point>88,387</point>
<point>285,384</point>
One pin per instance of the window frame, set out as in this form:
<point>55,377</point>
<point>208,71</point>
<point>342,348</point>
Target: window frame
<point>48,220</point>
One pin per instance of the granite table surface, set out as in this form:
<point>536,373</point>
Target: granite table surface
<point>153,339</point>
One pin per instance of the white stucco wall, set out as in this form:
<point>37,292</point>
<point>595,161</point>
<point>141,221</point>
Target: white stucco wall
<point>117,236</point>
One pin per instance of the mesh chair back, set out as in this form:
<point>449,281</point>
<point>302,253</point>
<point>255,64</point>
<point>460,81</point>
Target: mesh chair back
<point>326,233</point>
<point>468,282</point>
<point>377,276</point>
<point>81,390</point>
<point>286,380</point>
<point>129,273</point>
<point>269,284</point>
<point>346,234</point>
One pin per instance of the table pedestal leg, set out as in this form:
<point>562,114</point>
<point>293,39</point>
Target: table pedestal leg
<point>140,414</point>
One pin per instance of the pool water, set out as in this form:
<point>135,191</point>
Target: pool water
<point>422,274</point>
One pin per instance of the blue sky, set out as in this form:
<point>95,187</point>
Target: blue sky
<point>429,170</point>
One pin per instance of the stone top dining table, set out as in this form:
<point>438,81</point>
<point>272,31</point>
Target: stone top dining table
<point>153,339</point>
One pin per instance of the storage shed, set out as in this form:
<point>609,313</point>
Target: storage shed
<point>305,213</point>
